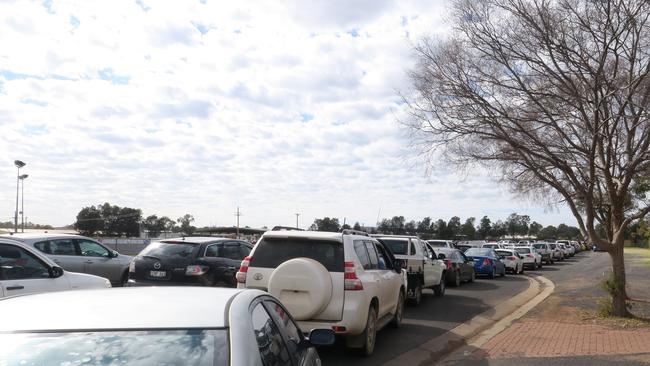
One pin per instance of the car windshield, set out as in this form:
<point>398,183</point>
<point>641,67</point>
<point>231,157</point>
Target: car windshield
<point>478,252</point>
<point>271,252</point>
<point>437,243</point>
<point>134,348</point>
<point>169,250</point>
<point>523,250</point>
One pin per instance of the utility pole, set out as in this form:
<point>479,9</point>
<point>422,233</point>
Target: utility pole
<point>297,214</point>
<point>238,214</point>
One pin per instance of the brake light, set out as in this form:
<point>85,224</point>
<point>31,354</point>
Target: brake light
<point>352,282</point>
<point>448,263</point>
<point>512,258</point>
<point>243,269</point>
<point>196,270</point>
<point>486,262</point>
<point>530,255</point>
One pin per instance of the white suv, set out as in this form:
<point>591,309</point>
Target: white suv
<point>347,282</point>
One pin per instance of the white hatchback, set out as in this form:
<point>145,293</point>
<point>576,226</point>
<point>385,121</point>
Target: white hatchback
<point>532,259</point>
<point>24,270</point>
<point>512,260</point>
<point>348,282</point>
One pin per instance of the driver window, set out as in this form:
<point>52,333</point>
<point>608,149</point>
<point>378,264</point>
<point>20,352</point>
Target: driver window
<point>284,322</point>
<point>383,257</point>
<point>213,250</point>
<point>91,249</point>
<point>18,264</point>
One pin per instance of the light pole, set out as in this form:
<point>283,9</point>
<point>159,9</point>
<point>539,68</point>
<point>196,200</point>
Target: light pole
<point>19,164</point>
<point>297,215</point>
<point>22,199</point>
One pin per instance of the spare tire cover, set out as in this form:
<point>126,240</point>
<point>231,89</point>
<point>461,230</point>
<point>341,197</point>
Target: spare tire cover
<point>303,285</point>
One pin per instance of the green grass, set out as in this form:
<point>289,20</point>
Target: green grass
<point>641,255</point>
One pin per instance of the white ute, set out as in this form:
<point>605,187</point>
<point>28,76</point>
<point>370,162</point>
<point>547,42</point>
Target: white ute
<point>423,268</point>
<point>347,282</point>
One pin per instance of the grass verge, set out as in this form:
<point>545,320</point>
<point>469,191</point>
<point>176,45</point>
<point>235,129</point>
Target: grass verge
<point>640,255</point>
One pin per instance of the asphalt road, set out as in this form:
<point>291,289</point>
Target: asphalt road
<point>433,317</point>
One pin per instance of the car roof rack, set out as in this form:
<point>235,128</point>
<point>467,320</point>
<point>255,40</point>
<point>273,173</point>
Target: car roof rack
<point>354,232</point>
<point>286,228</point>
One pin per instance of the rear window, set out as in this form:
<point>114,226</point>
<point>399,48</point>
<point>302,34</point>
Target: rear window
<point>170,250</point>
<point>437,243</point>
<point>523,250</point>
<point>478,252</point>
<point>398,246</point>
<point>504,252</point>
<point>271,252</point>
<point>539,246</point>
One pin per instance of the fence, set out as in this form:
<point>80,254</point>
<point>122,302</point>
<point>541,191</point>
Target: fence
<point>128,246</point>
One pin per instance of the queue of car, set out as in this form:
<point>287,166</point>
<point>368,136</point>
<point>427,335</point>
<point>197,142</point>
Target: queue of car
<point>295,290</point>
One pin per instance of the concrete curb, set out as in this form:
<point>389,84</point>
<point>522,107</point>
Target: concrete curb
<point>483,337</point>
<point>433,350</point>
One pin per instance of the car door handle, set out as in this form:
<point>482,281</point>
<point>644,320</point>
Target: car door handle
<point>89,261</point>
<point>15,288</point>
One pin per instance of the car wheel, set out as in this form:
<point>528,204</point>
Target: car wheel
<point>439,289</point>
<point>370,333</point>
<point>473,276</point>
<point>493,273</point>
<point>417,296</point>
<point>503,272</point>
<point>539,265</point>
<point>125,279</point>
<point>522,269</point>
<point>457,279</point>
<point>399,312</point>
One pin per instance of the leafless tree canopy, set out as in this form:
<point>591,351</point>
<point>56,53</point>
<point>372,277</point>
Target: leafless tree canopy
<point>553,92</point>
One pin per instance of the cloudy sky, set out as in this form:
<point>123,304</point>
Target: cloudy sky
<point>175,107</point>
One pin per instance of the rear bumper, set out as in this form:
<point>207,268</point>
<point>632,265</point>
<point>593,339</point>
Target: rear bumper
<point>355,315</point>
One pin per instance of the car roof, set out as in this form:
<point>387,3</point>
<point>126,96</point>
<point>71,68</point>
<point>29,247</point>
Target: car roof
<point>120,308</point>
<point>31,236</point>
<point>196,239</point>
<point>379,236</point>
<point>323,235</point>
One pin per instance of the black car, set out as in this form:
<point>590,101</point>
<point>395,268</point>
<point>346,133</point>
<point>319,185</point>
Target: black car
<point>193,261</point>
<point>459,267</point>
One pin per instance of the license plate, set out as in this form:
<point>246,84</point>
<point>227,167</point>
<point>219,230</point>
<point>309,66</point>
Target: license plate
<point>157,273</point>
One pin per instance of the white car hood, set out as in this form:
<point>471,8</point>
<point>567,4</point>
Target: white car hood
<point>82,281</point>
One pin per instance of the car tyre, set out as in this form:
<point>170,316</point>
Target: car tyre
<point>399,312</point>
<point>493,273</point>
<point>522,269</point>
<point>503,272</point>
<point>439,289</point>
<point>472,277</point>
<point>125,279</point>
<point>370,333</point>
<point>457,279</point>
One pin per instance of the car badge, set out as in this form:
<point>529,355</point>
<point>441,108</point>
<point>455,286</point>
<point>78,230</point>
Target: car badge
<point>257,276</point>
<point>156,265</point>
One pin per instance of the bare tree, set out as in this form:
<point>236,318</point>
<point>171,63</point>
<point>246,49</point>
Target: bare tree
<point>554,95</point>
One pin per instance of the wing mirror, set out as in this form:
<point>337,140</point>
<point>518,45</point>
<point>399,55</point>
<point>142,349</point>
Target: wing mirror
<point>114,254</point>
<point>442,256</point>
<point>55,272</point>
<point>322,337</point>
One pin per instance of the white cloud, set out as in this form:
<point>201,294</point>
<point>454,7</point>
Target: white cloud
<point>177,107</point>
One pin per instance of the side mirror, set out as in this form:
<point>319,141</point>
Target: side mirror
<point>441,256</point>
<point>113,254</point>
<point>55,272</point>
<point>322,337</point>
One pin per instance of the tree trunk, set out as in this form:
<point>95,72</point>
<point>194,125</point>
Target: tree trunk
<point>616,284</point>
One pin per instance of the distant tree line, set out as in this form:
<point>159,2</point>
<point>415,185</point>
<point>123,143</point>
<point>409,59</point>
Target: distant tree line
<point>112,220</point>
<point>28,225</point>
<point>514,225</point>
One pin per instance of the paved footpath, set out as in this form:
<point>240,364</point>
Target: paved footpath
<point>561,331</point>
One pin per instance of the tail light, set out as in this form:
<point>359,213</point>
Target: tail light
<point>486,262</point>
<point>352,282</point>
<point>196,270</point>
<point>530,256</point>
<point>512,258</point>
<point>132,266</point>
<point>448,263</point>
<point>243,269</point>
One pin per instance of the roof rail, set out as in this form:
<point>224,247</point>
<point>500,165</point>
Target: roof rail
<point>354,232</point>
<point>286,228</point>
